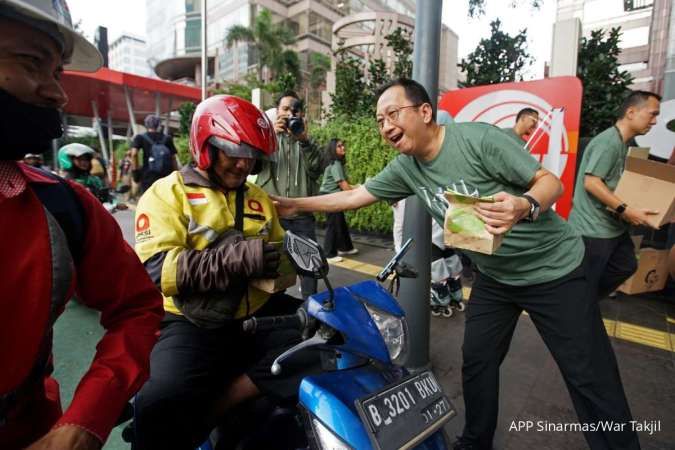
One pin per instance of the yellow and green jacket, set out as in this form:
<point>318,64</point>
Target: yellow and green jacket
<point>183,217</point>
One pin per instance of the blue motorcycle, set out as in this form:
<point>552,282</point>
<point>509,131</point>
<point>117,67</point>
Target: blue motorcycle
<point>363,398</point>
<point>367,399</point>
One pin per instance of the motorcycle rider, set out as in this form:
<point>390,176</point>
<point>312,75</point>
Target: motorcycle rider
<point>204,235</point>
<point>58,240</point>
<point>75,161</point>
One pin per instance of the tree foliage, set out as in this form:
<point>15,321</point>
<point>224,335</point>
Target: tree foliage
<point>604,84</point>
<point>399,41</point>
<point>268,41</point>
<point>318,67</point>
<point>354,90</point>
<point>350,85</point>
<point>477,7</point>
<point>185,112</point>
<point>497,59</point>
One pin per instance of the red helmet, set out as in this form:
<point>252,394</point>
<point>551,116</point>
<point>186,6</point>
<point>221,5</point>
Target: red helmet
<point>232,125</point>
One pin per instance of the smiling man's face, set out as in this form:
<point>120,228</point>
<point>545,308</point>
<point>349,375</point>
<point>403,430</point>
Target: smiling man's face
<point>30,65</point>
<point>401,122</point>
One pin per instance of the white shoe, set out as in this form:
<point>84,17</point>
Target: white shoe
<point>334,259</point>
<point>353,251</point>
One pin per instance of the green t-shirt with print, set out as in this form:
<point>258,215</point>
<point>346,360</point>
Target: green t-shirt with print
<point>482,156</point>
<point>332,175</point>
<point>511,132</point>
<point>604,157</point>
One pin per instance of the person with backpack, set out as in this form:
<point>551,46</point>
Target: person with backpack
<point>159,153</point>
<point>57,240</point>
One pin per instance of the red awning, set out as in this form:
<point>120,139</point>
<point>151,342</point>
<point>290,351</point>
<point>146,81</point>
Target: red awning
<point>106,87</point>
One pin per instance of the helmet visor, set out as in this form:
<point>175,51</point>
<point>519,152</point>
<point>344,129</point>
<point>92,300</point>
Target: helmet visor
<point>241,150</point>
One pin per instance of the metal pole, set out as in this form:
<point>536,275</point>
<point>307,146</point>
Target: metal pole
<point>205,58</point>
<point>130,110</point>
<point>414,292</point>
<point>99,130</point>
<point>112,162</point>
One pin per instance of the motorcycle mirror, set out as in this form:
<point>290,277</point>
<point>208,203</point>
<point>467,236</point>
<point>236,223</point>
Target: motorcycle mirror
<point>307,256</point>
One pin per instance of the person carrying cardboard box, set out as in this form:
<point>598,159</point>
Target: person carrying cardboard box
<point>539,268</point>
<point>600,216</point>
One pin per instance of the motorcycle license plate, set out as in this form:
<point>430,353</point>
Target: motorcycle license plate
<point>403,415</point>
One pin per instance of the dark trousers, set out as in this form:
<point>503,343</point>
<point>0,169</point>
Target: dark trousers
<point>191,367</point>
<point>303,226</point>
<point>611,262</point>
<point>568,320</point>
<point>337,235</point>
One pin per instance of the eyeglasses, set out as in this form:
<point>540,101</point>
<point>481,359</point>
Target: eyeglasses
<point>392,115</point>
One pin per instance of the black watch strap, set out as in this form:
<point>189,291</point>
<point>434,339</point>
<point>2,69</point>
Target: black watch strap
<point>621,208</point>
<point>534,208</point>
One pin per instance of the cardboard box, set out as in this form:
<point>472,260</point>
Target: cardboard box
<point>638,152</point>
<point>651,274</point>
<point>650,185</point>
<point>463,229</point>
<point>286,279</point>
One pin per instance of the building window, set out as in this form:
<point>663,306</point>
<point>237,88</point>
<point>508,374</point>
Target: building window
<point>193,29</point>
<point>193,6</point>
<point>320,27</point>
<point>634,5</point>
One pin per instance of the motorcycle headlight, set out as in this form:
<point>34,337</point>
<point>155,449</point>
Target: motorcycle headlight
<point>393,330</point>
<point>325,438</point>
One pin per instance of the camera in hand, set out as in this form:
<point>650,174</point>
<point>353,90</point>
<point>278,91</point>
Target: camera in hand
<point>295,124</point>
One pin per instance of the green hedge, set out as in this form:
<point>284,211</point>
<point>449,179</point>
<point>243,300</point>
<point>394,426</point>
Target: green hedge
<point>182,148</point>
<point>367,154</point>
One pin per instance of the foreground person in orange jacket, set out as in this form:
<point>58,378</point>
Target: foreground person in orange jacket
<point>56,241</point>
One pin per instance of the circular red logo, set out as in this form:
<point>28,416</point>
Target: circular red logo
<point>142,223</point>
<point>255,205</point>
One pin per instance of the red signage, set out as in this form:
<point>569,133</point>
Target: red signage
<point>558,101</point>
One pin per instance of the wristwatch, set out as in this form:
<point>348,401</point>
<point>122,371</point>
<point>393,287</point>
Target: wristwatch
<point>534,208</point>
<point>621,208</point>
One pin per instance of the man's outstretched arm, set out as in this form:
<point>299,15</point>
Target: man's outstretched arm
<point>339,201</point>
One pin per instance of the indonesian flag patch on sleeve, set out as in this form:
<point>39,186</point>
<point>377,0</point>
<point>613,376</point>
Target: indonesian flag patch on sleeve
<point>197,199</point>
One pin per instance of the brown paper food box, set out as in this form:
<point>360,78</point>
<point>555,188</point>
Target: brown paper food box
<point>651,185</point>
<point>484,242</point>
<point>287,276</point>
<point>651,274</point>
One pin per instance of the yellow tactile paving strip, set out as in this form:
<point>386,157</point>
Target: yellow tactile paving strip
<point>616,329</point>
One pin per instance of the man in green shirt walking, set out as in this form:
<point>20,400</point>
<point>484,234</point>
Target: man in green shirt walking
<point>294,171</point>
<point>602,218</point>
<point>539,267</point>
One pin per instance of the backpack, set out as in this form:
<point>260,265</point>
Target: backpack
<point>160,159</point>
<point>63,203</point>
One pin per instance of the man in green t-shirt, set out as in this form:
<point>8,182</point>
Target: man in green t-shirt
<point>538,268</point>
<point>597,214</point>
<point>527,120</point>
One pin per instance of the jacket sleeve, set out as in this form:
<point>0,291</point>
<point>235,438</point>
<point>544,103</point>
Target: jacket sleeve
<point>311,152</point>
<point>175,267</point>
<point>112,280</point>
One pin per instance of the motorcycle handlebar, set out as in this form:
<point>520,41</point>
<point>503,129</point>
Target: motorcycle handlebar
<point>290,321</point>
